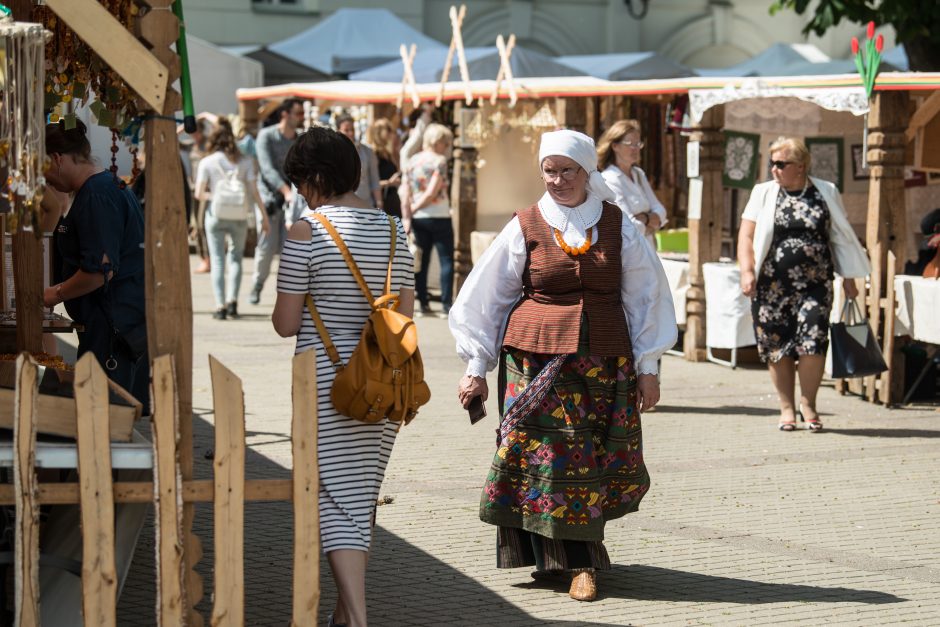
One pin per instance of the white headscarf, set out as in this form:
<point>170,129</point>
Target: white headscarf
<point>579,148</point>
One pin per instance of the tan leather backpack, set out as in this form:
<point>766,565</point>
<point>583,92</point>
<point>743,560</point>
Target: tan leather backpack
<point>384,377</point>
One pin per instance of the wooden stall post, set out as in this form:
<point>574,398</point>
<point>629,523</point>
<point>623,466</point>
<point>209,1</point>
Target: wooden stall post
<point>169,293</point>
<point>99,572</point>
<point>306,491</point>
<point>228,607</point>
<point>464,202</point>
<point>26,542</point>
<point>571,113</point>
<point>167,500</point>
<point>704,231</point>
<point>248,113</point>
<point>886,224</point>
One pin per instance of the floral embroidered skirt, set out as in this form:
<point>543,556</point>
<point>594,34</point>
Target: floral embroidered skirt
<point>573,463</point>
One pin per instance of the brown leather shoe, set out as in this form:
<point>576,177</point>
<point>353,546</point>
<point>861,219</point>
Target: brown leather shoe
<point>583,585</point>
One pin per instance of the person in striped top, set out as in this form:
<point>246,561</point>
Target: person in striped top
<point>573,305</point>
<point>352,456</point>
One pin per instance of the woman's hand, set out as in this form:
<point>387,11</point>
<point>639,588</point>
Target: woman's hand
<point>647,391</point>
<point>653,223</point>
<point>470,387</point>
<point>851,290</point>
<point>748,283</point>
<point>265,223</point>
<point>394,180</point>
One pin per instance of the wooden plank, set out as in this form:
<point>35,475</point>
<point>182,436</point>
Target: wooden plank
<point>26,559</point>
<point>228,607</point>
<point>123,53</point>
<point>886,389</point>
<point>99,574</point>
<point>200,491</point>
<point>306,480</point>
<point>28,285</point>
<point>927,111</point>
<point>704,231</point>
<point>168,503</point>
<point>56,415</point>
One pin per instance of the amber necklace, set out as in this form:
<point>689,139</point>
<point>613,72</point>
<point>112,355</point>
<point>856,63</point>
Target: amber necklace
<point>574,251</point>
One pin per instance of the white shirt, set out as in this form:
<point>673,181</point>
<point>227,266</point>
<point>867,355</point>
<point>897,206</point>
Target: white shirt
<point>478,317</point>
<point>634,196</point>
<point>213,168</point>
<point>848,257</point>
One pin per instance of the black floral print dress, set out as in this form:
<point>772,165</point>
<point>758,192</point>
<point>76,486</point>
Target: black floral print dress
<point>794,287</point>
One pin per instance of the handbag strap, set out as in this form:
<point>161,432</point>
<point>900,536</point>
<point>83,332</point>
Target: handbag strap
<point>331,351</point>
<point>851,314</point>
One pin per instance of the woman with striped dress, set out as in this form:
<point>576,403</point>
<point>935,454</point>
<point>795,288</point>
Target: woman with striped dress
<point>573,306</point>
<point>325,168</point>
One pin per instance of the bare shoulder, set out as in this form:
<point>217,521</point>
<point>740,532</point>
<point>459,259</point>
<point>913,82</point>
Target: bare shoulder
<point>300,231</point>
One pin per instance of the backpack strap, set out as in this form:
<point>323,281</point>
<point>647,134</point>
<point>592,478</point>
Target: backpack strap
<point>393,238</point>
<point>331,351</point>
<point>350,262</point>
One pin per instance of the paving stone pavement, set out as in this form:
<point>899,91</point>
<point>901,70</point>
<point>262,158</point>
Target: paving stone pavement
<point>744,524</point>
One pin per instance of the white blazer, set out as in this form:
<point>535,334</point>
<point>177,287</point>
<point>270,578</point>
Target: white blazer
<point>848,256</point>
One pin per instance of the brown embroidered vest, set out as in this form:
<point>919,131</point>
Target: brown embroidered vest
<point>558,287</point>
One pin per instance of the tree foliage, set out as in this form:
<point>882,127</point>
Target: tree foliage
<point>916,22</point>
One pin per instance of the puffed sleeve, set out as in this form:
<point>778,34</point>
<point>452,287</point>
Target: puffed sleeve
<point>478,316</point>
<point>647,301</point>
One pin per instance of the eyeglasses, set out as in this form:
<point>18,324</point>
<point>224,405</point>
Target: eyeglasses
<point>637,144</point>
<point>780,165</point>
<point>567,174</point>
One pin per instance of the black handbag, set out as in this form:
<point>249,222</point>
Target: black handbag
<point>855,350</point>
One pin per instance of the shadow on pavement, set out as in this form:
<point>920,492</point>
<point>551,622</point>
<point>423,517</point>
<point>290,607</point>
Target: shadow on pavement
<point>728,410</point>
<point>406,585</point>
<point>886,433</point>
<point>650,583</point>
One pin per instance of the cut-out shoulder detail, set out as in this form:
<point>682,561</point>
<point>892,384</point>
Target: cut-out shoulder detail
<point>300,231</point>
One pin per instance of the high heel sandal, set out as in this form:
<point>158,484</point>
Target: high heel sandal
<point>788,425</point>
<point>815,425</point>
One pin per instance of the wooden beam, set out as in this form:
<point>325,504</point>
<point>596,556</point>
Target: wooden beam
<point>28,287</point>
<point>26,543</point>
<point>926,112</point>
<point>123,53</point>
<point>99,573</point>
<point>168,504</point>
<point>306,491</point>
<point>56,415</point>
<point>199,491</point>
<point>228,606</point>
<point>704,229</point>
<point>463,197</point>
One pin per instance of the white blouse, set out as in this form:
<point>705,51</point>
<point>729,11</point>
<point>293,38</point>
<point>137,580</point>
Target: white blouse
<point>478,317</point>
<point>634,196</point>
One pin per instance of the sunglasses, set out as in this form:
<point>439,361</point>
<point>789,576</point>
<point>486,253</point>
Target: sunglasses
<point>780,165</point>
<point>638,144</point>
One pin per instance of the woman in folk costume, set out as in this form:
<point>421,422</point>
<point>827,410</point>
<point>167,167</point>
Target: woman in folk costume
<point>573,306</point>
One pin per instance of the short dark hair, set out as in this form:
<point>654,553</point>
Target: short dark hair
<point>343,118</point>
<point>288,105</point>
<point>68,142</point>
<point>325,160</point>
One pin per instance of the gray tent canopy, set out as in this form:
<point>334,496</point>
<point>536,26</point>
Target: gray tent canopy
<point>482,63</point>
<point>627,66</point>
<point>771,62</point>
<point>351,40</point>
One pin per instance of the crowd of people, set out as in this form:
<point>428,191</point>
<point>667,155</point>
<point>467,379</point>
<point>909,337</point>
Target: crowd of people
<point>570,304</point>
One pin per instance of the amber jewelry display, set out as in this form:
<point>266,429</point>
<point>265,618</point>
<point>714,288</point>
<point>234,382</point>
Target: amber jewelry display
<point>574,251</point>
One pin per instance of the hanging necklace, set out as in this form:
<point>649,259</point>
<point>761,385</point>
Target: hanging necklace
<point>794,199</point>
<point>572,250</point>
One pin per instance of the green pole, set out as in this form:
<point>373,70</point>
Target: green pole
<point>186,86</point>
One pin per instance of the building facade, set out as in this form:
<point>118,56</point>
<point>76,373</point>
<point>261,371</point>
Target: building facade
<point>697,33</point>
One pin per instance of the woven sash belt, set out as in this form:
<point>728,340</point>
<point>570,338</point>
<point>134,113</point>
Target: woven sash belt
<point>530,398</point>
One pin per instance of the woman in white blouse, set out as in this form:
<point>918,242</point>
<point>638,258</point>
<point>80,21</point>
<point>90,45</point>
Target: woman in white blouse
<point>618,153</point>
<point>574,308</point>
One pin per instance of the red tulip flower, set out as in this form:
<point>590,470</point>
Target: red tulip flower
<point>871,30</point>
<point>854,45</point>
<point>880,43</point>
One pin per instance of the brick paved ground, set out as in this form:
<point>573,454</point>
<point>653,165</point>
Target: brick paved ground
<point>744,525</point>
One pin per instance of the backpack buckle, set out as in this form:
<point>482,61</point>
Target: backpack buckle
<point>396,376</point>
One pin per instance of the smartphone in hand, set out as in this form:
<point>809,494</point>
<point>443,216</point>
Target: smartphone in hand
<point>476,409</point>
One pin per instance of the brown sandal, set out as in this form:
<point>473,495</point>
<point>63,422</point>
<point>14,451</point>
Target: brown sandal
<point>583,585</point>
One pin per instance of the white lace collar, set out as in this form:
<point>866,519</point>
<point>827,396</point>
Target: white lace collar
<point>585,215</point>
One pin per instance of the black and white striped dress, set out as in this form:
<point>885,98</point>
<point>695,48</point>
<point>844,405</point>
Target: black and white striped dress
<point>353,455</point>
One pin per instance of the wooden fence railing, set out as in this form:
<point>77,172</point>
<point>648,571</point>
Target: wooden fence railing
<point>97,495</point>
